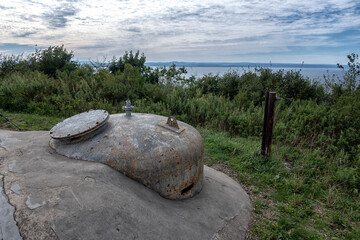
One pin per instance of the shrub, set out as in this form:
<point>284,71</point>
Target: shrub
<point>48,61</point>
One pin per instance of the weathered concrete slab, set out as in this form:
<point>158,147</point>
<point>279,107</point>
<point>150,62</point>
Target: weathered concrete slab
<point>60,198</point>
<point>8,227</point>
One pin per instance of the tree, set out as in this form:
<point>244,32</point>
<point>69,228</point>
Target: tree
<point>48,61</point>
<point>351,77</point>
<point>13,63</point>
<point>128,58</point>
<point>55,58</point>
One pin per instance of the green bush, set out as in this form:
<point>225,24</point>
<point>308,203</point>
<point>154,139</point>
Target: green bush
<point>50,83</point>
<point>316,135</point>
<point>49,61</point>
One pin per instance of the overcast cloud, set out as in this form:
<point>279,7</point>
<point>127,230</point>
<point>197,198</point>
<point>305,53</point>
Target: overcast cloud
<point>313,31</point>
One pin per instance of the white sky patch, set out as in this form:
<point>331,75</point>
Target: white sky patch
<point>196,30</point>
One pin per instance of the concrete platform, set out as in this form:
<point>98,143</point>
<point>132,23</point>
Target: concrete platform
<point>47,196</point>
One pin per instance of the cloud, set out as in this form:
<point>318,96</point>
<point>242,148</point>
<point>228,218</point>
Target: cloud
<point>29,17</point>
<point>25,34</point>
<point>97,46</point>
<point>213,30</point>
<point>133,29</point>
<point>2,7</point>
<point>58,17</point>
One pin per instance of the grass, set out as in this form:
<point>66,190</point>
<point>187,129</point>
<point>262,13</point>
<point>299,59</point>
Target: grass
<point>295,192</point>
<point>28,122</point>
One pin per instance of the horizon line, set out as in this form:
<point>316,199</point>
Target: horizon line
<point>239,64</point>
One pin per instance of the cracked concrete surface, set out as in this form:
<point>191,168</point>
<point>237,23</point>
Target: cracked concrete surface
<point>8,227</point>
<point>60,198</point>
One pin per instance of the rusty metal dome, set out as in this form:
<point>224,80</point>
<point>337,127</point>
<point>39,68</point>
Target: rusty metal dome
<point>163,154</point>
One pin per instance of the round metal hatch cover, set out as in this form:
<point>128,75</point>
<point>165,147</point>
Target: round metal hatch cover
<point>80,124</point>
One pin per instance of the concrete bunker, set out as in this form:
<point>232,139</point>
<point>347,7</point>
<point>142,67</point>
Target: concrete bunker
<point>162,153</point>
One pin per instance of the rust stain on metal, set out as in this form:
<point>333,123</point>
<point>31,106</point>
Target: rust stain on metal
<point>111,163</point>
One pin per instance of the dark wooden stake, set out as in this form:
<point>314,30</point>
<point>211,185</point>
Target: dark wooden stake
<point>270,99</point>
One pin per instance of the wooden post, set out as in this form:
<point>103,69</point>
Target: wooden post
<point>270,99</point>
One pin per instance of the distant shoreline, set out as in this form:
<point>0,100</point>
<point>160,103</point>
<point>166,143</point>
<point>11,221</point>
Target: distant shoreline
<point>235,65</point>
<point>241,64</point>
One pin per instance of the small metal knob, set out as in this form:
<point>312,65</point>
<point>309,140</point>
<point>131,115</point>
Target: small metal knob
<point>128,108</point>
<point>172,122</point>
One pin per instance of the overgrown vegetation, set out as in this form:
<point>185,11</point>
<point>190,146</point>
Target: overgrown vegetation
<point>313,177</point>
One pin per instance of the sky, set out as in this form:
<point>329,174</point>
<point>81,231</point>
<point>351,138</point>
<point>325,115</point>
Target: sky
<point>278,31</point>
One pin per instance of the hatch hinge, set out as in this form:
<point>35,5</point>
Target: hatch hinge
<point>172,125</point>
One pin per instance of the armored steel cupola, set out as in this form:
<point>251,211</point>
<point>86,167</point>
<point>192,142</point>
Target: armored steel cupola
<point>162,153</point>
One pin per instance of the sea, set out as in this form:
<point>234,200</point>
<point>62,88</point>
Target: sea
<point>314,72</point>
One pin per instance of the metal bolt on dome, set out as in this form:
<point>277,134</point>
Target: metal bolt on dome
<point>128,108</point>
<point>172,122</point>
